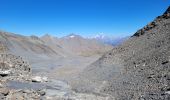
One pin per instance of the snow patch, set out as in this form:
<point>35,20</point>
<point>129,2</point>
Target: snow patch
<point>72,36</point>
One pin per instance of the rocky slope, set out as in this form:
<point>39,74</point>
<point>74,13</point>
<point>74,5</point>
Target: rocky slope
<point>20,43</point>
<point>27,47</point>
<point>138,69</point>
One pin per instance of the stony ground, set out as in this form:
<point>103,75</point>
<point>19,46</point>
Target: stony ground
<point>19,83</point>
<point>138,69</point>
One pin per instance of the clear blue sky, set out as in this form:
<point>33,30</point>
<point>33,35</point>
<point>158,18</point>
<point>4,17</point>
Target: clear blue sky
<point>84,17</point>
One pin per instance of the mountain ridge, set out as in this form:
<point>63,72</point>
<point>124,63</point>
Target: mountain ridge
<point>141,64</point>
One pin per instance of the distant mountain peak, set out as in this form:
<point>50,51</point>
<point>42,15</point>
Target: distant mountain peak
<point>34,37</point>
<point>47,36</point>
<point>99,36</point>
<point>72,35</point>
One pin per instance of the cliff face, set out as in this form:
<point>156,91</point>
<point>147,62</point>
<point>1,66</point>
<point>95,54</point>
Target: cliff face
<point>142,66</point>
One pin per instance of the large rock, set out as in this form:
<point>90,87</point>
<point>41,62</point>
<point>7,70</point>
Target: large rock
<point>39,79</point>
<point>4,91</point>
<point>5,73</point>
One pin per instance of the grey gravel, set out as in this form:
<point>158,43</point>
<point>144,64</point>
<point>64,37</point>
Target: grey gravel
<point>138,69</point>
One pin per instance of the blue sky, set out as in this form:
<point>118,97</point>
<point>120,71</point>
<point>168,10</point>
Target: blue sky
<point>83,17</point>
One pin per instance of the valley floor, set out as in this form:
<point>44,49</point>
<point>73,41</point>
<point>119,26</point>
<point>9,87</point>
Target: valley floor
<point>61,72</point>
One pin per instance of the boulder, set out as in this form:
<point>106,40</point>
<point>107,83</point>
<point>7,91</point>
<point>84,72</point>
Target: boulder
<point>4,72</point>
<point>39,79</point>
<point>41,92</point>
<point>1,85</point>
<point>4,91</point>
<point>167,92</point>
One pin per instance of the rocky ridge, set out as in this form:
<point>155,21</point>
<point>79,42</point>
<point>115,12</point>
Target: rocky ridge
<point>142,63</point>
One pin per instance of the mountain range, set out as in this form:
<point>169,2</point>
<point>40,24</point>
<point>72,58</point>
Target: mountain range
<point>52,46</point>
<point>130,68</point>
<point>44,52</point>
<point>111,40</point>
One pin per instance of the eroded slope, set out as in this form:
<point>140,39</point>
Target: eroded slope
<point>142,66</point>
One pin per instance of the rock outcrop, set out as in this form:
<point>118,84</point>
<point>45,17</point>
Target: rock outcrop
<point>14,66</point>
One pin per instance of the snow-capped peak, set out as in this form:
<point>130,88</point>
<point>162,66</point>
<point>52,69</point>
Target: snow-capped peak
<point>99,36</point>
<point>72,36</point>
